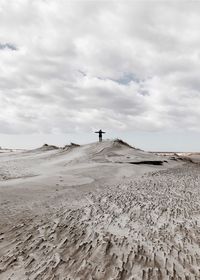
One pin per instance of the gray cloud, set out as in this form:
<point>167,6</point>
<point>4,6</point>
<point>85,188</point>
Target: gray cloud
<point>9,46</point>
<point>81,65</point>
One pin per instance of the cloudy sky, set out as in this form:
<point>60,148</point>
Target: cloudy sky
<point>68,68</point>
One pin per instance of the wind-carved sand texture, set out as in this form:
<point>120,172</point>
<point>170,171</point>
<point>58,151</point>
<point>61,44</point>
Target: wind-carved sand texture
<point>84,215</point>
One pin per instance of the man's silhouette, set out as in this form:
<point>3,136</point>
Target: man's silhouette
<point>100,132</point>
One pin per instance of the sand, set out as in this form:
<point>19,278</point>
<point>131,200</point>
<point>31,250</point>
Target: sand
<point>99,211</point>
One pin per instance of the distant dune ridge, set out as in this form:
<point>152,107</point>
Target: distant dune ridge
<point>99,211</point>
<point>47,147</point>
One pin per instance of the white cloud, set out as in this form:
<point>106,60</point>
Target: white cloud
<point>109,64</point>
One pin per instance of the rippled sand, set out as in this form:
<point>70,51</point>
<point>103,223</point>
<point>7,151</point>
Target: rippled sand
<point>89,213</point>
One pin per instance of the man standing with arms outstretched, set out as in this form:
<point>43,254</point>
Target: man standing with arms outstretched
<point>100,132</point>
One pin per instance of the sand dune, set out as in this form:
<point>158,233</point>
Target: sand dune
<point>93,212</point>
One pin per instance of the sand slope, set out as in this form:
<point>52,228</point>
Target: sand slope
<point>91,212</point>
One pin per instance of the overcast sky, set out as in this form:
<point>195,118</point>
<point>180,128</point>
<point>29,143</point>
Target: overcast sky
<point>68,68</point>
